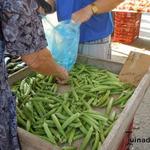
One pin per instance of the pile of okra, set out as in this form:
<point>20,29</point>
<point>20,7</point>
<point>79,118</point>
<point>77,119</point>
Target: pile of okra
<point>63,118</point>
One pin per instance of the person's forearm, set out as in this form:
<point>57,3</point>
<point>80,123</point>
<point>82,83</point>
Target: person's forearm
<point>100,6</point>
<point>107,5</point>
<point>42,62</point>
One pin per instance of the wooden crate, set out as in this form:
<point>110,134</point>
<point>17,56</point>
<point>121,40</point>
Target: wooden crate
<point>113,140</point>
<point>126,26</point>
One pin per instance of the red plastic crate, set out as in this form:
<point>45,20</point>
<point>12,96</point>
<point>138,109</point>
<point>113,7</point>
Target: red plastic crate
<point>126,26</point>
<point>124,145</point>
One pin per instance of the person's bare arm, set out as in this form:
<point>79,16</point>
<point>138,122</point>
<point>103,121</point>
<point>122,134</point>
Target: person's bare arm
<point>86,13</point>
<point>107,5</point>
<point>42,62</point>
<point>27,39</point>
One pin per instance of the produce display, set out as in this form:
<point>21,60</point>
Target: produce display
<point>13,64</point>
<point>76,116</point>
<point>135,5</point>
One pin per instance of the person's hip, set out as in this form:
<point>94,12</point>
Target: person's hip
<point>97,49</point>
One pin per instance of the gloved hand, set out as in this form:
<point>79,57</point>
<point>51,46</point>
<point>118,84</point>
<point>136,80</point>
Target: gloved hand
<point>82,15</point>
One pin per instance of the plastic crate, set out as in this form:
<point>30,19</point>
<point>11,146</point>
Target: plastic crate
<point>126,26</point>
<point>124,145</point>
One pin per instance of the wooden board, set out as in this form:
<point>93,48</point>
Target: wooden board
<point>19,75</point>
<point>31,142</point>
<point>135,67</point>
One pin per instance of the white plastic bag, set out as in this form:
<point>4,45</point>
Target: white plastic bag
<point>63,41</point>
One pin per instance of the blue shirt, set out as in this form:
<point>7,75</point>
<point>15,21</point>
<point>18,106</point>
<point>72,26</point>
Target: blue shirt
<point>98,27</point>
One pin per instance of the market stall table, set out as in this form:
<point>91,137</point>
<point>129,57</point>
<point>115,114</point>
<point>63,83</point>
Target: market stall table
<point>115,137</point>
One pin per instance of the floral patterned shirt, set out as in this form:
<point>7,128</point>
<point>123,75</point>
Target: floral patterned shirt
<point>21,33</point>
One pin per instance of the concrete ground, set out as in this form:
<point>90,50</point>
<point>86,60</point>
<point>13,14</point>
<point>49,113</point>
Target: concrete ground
<point>141,131</point>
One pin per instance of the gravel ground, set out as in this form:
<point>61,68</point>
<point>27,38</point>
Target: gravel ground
<point>141,130</point>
